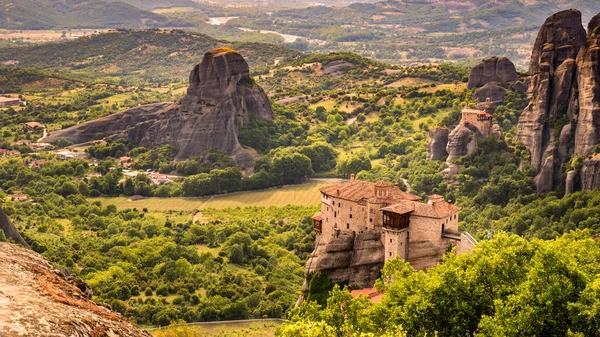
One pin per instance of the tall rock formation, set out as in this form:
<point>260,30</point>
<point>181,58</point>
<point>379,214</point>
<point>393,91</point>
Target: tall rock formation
<point>493,69</point>
<point>587,134</point>
<point>438,139</point>
<point>563,117</point>
<point>10,231</point>
<point>462,141</point>
<point>553,94</point>
<point>221,98</point>
<point>37,300</point>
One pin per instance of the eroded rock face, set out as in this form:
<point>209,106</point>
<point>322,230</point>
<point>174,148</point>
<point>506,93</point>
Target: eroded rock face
<point>37,300</point>
<point>553,94</point>
<point>494,69</point>
<point>438,140</point>
<point>9,229</point>
<point>462,141</point>
<point>354,259</point>
<point>491,90</point>
<point>590,173</point>
<point>221,98</point>
<point>587,134</point>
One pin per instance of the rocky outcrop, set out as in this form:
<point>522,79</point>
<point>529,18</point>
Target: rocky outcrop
<point>494,69</point>
<point>438,140</point>
<point>553,94</point>
<point>462,141</point>
<point>37,300</point>
<point>590,173</point>
<point>354,259</point>
<point>10,231</point>
<point>587,134</point>
<point>491,90</point>
<point>221,98</point>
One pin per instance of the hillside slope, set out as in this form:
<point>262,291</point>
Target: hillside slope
<point>153,55</point>
<point>46,14</point>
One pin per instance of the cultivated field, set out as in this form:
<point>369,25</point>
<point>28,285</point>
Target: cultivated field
<point>300,195</point>
<point>251,329</point>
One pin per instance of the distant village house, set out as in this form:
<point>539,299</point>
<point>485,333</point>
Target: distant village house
<point>9,101</point>
<point>19,197</point>
<point>34,126</point>
<point>9,153</point>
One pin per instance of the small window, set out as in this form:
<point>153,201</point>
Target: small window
<point>333,203</point>
<point>446,220</point>
<point>347,226</point>
<point>350,216</point>
<point>371,220</point>
<point>350,209</point>
<point>390,253</point>
<point>390,240</point>
<point>334,214</point>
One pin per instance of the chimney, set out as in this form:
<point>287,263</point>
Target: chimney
<point>434,199</point>
<point>352,177</point>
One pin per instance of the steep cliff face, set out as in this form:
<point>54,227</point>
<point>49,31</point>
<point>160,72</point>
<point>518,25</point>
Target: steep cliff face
<point>438,139</point>
<point>587,134</point>
<point>221,98</point>
<point>462,141</point>
<point>10,231</point>
<point>37,300</point>
<point>553,94</point>
<point>494,69</point>
<point>354,259</point>
<point>491,90</point>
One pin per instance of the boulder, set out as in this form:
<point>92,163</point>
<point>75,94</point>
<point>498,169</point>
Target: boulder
<point>590,173</point>
<point>221,98</point>
<point>38,300</point>
<point>10,231</point>
<point>493,69</point>
<point>337,68</point>
<point>438,140</point>
<point>490,90</point>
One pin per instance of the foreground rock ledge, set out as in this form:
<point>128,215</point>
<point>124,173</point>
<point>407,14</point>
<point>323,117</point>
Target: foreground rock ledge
<point>38,300</point>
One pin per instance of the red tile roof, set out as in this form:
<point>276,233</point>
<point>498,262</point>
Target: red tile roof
<point>438,210</point>
<point>363,190</point>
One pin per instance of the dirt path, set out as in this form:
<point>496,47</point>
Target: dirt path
<point>198,215</point>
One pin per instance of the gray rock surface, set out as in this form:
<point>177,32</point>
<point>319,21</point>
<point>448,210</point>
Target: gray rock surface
<point>590,173</point>
<point>10,231</point>
<point>438,140</point>
<point>220,99</point>
<point>553,96</point>
<point>462,141</point>
<point>37,300</point>
<point>355,259</point>
<point>490,90</point>
<point>587,134</point>
<point>493,69</point>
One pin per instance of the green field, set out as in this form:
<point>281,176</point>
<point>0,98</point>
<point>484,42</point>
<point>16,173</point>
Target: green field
<point>300,195</point>
<point>250,329</point>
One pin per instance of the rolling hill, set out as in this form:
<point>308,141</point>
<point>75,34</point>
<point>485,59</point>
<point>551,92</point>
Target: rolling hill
<point>153,55</point>
<point>46,14</point>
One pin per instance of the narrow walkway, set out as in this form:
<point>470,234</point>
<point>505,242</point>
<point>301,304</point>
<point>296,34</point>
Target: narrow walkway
<point>281,320</point>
